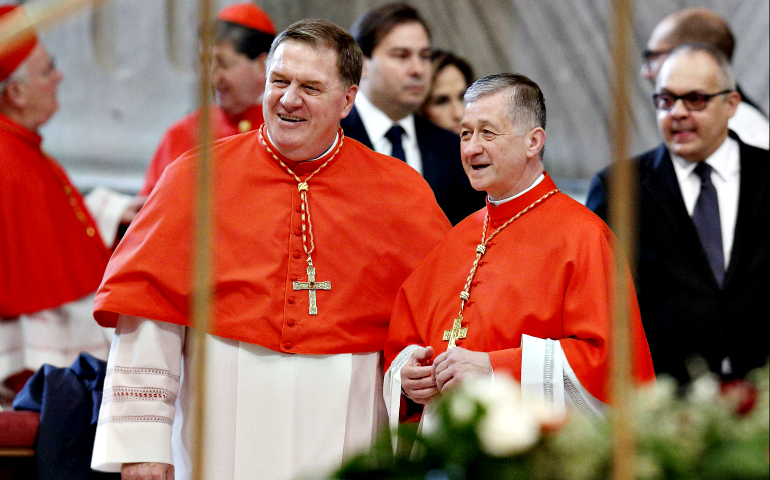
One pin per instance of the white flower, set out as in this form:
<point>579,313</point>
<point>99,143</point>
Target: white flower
<point>705,389</point>
<point>462,409</point>
<point>504,431</point>
<point>501,389</point>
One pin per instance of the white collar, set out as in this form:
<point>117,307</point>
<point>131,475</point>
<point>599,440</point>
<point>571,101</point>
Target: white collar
<point>534,184</point>
<point>334,144</point>
<point>722,160</point>
<point>377,123</point>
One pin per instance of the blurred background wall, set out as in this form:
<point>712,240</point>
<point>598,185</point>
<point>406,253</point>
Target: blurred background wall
<point>130,71</point>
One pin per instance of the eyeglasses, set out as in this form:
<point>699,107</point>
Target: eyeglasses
<point>693,101</point>
<point>650,56</point>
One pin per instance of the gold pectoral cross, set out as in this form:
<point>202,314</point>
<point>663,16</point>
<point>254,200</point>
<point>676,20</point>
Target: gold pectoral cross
<point>311,285</point>
<point>456,333</point>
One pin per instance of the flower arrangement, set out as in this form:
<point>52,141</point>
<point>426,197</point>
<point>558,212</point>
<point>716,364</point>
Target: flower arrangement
<point>708,431</point>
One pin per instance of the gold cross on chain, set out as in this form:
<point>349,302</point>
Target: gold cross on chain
<point>311,285</point>
<point>456,333</point>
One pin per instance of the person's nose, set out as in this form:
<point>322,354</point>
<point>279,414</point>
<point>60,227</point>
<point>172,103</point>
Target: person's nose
<point>648,72</point>
<point>216,74</point>
<point>419,67</point>
<point>471,146</point>
<point>291,99</point>
<point>678,110</point>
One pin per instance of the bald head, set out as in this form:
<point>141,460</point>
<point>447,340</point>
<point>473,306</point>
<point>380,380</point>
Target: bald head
<point>691,25</point>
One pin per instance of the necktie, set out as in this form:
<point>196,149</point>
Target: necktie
<point>706,220</point>
<point>394,135</point>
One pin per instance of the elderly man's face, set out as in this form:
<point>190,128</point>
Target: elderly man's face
<point>694,135</point>
<point>497,157</point>
<point>39,87</point>
<point>238,81</point>
<point>304,100</point>
<point>398,72</point>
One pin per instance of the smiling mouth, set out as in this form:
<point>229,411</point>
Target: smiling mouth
<point>288,118</point>
<point>479,167</point>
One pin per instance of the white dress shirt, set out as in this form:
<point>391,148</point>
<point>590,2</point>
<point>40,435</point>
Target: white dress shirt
<point>377,124</point>
<point>751,125</point>
<point>726,177</point>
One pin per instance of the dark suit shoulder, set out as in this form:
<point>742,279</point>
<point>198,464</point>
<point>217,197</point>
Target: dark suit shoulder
<point>354,128</point>
<point>644,164</point>
<point>439,140</point>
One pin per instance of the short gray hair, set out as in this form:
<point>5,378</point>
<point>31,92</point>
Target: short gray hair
<point>324,33</point>
<point>526,104</point>
<point>726,75</point>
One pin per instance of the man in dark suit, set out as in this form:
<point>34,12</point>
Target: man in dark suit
<point>395,41</point>
<point>704,200</point>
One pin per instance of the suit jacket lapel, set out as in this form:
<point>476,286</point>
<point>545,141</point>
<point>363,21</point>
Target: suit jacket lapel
<point>659,180</point>
<point>749,202</point>
<point>430,172</point>
<point>354,128</point>
<point>662,186</point>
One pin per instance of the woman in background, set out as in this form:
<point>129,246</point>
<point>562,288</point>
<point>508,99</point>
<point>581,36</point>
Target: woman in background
<point>444,105</point>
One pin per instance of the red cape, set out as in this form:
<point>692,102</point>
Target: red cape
<point>50,250</point>
<point>183,136</point>
<point>374,218</point>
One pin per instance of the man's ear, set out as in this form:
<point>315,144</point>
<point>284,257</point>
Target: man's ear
<point>536,138</point>
<point>350,97</point>
<point>733,100</point>
<point>15,94</point>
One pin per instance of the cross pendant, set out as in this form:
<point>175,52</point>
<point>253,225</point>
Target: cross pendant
<point>456,333</point>
<point>311,285</point>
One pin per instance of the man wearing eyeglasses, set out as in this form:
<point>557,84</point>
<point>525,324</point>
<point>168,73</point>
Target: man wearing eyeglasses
<point>700,25</point>
<point>704,211</point>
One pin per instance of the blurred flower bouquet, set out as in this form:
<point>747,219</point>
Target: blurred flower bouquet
<point>713,431</point>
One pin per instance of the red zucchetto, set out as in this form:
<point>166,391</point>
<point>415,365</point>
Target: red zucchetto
<point>248,15</point>
<point>11,58</point>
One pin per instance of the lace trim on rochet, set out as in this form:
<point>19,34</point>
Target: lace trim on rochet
<point>548,374</point>
<point>578,399</point>
<point>142,394</point>
<point>143,371</point>
<point>137,418</point>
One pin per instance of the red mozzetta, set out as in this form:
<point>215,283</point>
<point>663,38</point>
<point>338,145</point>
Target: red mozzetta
<point>373,220</point>
<point>50,250</point>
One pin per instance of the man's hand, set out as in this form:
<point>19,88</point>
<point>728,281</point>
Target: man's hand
<point>417,376</point>
<point>132,209</point>
<point>457,364</point>
<point>147,471</point>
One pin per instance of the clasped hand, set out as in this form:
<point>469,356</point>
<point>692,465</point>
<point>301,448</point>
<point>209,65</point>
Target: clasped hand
<point>423,377</point>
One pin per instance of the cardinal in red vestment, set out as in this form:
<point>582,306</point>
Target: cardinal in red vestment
<point>523,287</point>
<point>243,34</point>
<point>52,250</point>
<point>314,233</point>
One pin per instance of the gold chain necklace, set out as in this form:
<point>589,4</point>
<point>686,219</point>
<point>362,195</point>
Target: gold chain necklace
<point>308,243</point>
<point>458,331</point>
